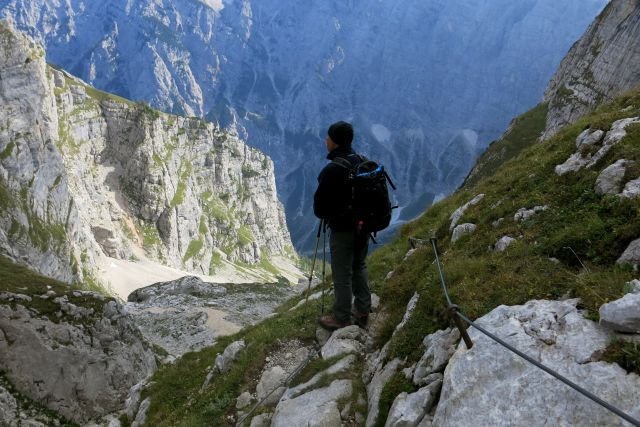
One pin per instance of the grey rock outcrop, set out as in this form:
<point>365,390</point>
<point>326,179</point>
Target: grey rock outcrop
<point>554,333</point>
<point>503,243</point>
<point>317,408</point>
<point>603,64</point>
<point>631,255</point>
<point>344,341</point>
<point>439,347</point>
<point>271,385</point>
<point>609,182</point>
<point>631,189</point>
<point>189,314</point>
<point>582,158</point>
<point>81,365</point>
<point>88,176</point>
<point>457,214</point>
<point>622,315</point>
<point>408,410</point>
<point>462,230</point>
<point>374,389</point>
<point>524,214</point>
<point>229,355</point>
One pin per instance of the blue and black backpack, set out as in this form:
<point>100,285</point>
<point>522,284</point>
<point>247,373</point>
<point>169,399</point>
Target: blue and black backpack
<point>370,201</point>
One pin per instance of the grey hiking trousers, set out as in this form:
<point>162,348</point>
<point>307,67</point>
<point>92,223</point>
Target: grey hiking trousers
<point>348,255</point>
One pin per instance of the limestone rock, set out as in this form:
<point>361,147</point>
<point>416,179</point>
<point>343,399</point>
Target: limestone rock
<point>574,163</point>
<point>610,179</point>
<point>8,407</point>
<point>503,243</point>
<point>343,365</point>
<point>462,230</point>
<point>141,416</point>
<point>457,214</point>
<point>229,355</point>
<point>439,346</point>
<point>262,420</point>
<point>524,214</point>
<point>411,305</point>
<point>82,367</point>
<point>631,189</point>
<point>599,67</point>
<point>409,409</point>
<point>347,340</point>
<point>589,137</point>
<point>316,408</point>
<point>374,389</point>
<point>271,384</point>
<point>244,400</point>
<point>622,315</point>
<point>631,255</point>
<point>101,174</point>
<point>189,314</point>
<point>554,333</point>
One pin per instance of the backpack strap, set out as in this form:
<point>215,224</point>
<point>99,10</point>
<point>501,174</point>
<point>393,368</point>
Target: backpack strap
<point>346,163</point>
<point>341,161</point>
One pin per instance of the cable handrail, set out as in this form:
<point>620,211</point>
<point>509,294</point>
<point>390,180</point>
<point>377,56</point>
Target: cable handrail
<point>456,313</point>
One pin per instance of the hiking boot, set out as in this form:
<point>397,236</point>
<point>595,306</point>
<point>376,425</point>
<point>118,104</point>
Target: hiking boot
<point>329,322</point>
<point>361,319</point>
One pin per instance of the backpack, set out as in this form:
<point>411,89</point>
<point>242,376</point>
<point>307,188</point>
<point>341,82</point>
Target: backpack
<point>370,202</point>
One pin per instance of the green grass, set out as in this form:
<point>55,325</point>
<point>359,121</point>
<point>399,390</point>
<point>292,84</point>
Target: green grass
<point>176,399</point>
<point>245,236</point>
<point>194,248</point>
<point>7,151</point>
<point>17,279</point>
<point>523,133</point>
<point>596,228</point>
<point>625,354</point>
<point>396,385</point>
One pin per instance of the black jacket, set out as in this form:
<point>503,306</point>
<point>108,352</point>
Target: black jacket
<point>333,197</point>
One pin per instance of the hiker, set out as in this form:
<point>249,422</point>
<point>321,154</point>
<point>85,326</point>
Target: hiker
<point>348,245</point>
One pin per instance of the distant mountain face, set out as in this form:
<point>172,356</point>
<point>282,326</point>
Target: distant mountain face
<point>426,84</point>
<point>603,64</point>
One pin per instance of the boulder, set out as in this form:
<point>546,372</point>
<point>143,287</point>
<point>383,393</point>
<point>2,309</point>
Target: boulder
<point>457,214</point>
<point>610,179</point>
<point>229,355</point>
<point>262,420</point>
<point>589,137</point>
<point>343,365</point>
<point>631,255</point>
<point>524,214</point>
<point>409,409</point>
<point>462,230</point>
<point>631,189</point>
<point>503,243</point>
<point>317,408</point>
<point>622,315</point>
<point>439,346</point>
<point>374,389</point>
<point>271,385</point>
<point>488,384</point>
<point>82,366</point>
<point>344,341</point>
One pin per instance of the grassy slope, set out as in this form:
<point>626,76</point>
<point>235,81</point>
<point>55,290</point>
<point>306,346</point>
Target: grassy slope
<point>598,229</point>
<point>522,133</point>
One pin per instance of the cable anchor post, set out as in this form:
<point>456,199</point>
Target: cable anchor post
<point>452,310</point>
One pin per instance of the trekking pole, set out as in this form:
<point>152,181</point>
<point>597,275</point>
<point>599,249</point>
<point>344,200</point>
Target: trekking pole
<point>324,263</point>
<point>313,262</point>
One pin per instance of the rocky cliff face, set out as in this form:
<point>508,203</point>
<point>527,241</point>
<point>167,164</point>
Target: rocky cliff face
<point>87,175</point>
<point>604,63</point>
<point>427,85</point>
<point>73,352</point>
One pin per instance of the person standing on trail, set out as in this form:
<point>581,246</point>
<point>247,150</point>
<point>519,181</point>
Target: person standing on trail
<point>348,246</point>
